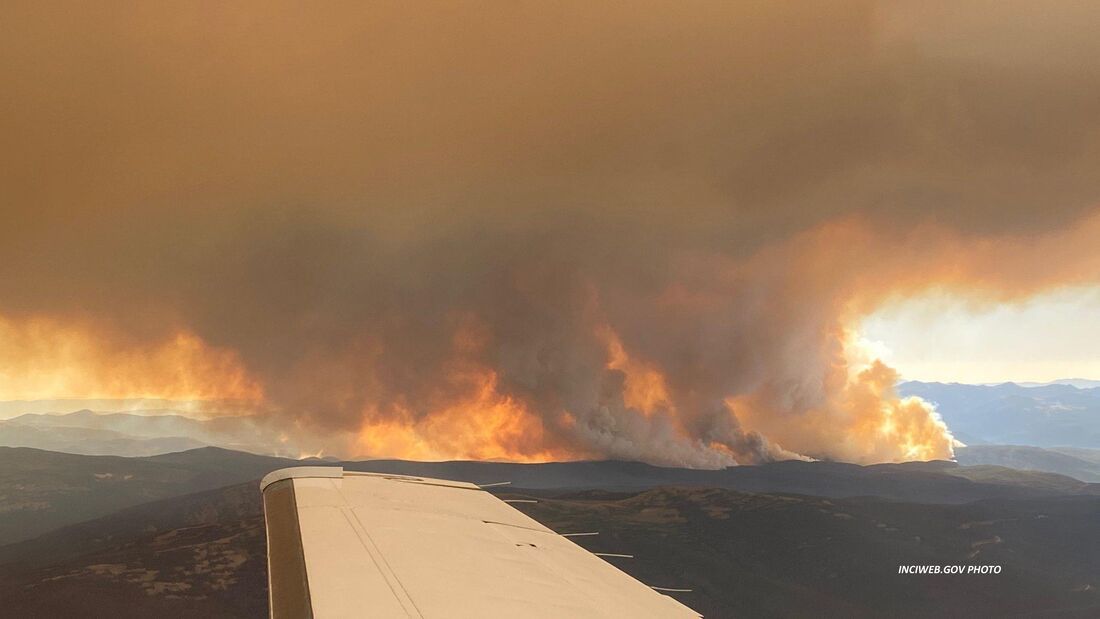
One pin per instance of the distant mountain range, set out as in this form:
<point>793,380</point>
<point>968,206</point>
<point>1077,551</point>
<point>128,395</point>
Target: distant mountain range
<point>41,491</point>
<point>1080,383</point>
<point>1050,427</point>
<point>1076,462</point>
<point>1064,413</point>
<point>90,441</point>
<point>12,408</point>
<point>1051,415</point>
<point>138,433</point>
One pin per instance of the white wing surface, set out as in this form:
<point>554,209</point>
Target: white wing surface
<point>347,544</point>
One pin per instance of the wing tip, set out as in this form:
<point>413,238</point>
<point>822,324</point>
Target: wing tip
<point>299,472</point>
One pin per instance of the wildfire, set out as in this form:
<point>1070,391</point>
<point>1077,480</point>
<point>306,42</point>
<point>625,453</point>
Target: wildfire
<point>44,359</point>
<point>863,422</point>
<point>473,421</point>
<point>778,375</point>
<point>644,386</point>
<point>482,425</point>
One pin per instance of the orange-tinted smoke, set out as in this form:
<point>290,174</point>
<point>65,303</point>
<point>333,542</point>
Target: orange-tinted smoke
<point>835,402</point>
<point>469,418</point>
<point>480,424</point>
<point>44,359</point>
<point>644,386</point>
<point>664,219</point>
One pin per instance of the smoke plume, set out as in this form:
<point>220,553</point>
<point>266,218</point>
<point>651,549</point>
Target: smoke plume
<point>528,230</point>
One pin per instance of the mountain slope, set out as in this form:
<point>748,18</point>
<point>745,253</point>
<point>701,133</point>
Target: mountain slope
<point>744,554</point>
<point>86,431</point>
<point>1083,464</point>
<point>926,482</point>
<point>41,490</point>
<point>90,441</point>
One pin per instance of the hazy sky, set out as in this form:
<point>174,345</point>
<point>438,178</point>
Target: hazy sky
<point>945,338</point>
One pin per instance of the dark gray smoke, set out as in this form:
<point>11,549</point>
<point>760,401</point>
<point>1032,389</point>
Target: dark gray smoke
<point>375,206</point>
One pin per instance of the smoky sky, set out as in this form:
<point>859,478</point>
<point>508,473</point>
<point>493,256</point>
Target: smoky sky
<point>334,191</point>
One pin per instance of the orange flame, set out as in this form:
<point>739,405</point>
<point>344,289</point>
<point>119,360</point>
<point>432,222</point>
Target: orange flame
<point>481,425</point>
<point>644,387</point>
<point>478,423</point>
<point>811,398</point>
<point>41,359</point>
<point>863,421</point>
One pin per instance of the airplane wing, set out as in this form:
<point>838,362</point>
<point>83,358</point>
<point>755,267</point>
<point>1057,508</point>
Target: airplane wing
<point>348,544</point>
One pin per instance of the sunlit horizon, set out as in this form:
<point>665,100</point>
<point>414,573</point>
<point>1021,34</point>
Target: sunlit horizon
<point>944,338</point>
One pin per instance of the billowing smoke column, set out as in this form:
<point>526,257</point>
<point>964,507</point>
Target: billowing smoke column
<point>533,231</point>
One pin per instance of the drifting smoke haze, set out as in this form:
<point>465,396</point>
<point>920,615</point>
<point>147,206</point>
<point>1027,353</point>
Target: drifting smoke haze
<point>533,231</point>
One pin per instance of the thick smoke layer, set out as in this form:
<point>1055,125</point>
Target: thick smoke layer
<point>533,231</point>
